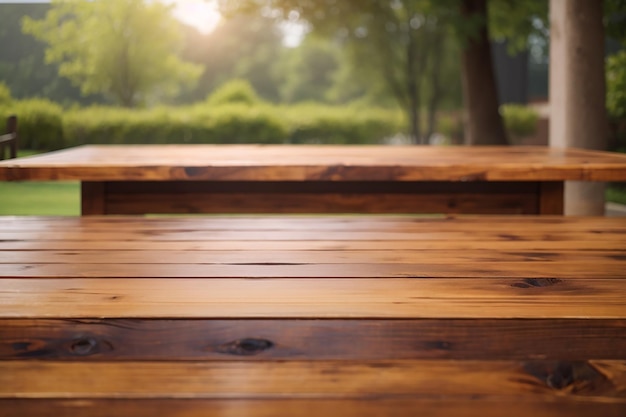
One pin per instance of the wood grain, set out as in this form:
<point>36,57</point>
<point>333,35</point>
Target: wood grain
<point>269,257</point>
<point>308,162</point>
<point>314,247</point>
<point>362,407</point>
<point>323,271</point>
<point>145,179</point>
<point>551,198</point>
<point>311,339</point>
<point>302,315</point>
<point>93,198</point>
<point>312,298</point>
<point>337,223</point>
<point>132,197</point>
<point>302,379</point>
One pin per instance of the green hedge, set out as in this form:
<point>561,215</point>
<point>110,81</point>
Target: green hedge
<point>234,92</point>
<point>40,123</point>
<point>520,121</point>
<point>45,126</point>
<point>314,123</point>
<point>225,124</point>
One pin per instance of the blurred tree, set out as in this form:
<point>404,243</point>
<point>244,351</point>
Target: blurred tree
<point>483,122</point>
<point>309,70</point>
<point>407,44</point>
<point>402,41</point>
<point>235,91</point>
<point>5,94</point>
<point>123,48</point>
<point>518,21</point>
<point>22,65</point>
<point>243,46</point>
<point>615,23</point>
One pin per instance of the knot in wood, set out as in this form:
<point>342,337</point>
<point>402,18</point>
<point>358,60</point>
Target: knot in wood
<point>83,346</point>
<point>536,282</point>
<point>246,347</point>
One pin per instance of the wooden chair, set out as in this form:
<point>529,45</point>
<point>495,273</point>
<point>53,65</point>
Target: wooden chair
<point>9,140</point>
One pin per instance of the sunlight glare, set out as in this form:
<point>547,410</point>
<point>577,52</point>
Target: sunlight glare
<point>201,14</point>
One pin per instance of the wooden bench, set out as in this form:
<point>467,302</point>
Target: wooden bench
<point>307,316</point>
<point>9,140</point>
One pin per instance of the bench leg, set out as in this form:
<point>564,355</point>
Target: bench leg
<point>551,198</point>
<point>92,198</point>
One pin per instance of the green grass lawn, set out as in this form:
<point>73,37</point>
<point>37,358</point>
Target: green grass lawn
<point>40,198</point>
<point>616,193</point>
<point>55,198</point>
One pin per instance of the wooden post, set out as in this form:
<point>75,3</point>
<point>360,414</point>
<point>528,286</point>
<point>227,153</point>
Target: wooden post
<point>10,138</point>
<point>551,198</point>
<point>92,197</point>
<point>577,91</point>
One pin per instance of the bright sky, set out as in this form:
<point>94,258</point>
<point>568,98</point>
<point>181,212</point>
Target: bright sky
<point>204,16</point>
<point>201,14</point>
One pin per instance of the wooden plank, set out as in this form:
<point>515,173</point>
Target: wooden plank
<point>322,187</point>
<point>578,245</point>
<point>322,203</point>
<point>500,236</point>
<point>274,228</point>
<point>367,407</point>
<point>346,257</point>
<point>283,339</point>
<point>285,268</point>
<point>322,197</point>
<point>618,237</point>
<point>330,223</point>
<point>598,379</point>
<point>321,162</point>
<point>312,298</point>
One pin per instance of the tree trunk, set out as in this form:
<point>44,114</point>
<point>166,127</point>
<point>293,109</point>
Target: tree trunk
<point>483,122</point>
<point>435,79</point>
<point>413,89</point>
<point>577,92</point>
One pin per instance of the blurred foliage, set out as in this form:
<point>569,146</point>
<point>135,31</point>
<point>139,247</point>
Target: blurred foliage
<point>315,123</point>
<point>234,92</point>
<point>22,64</point>
<point>245,46</point>
<point>338,66</point>
<point>518,22</point>
<point>196,124</point>
<point>520,121</point>
<point>40,123</point>
<point>123,48</point>
<point>391,47</point>
<point>5,95</point>
<point>233,114</point>
<point>309,70</point>
<point>356,53</point>
<point>615,22</point>
<point>616,85</point>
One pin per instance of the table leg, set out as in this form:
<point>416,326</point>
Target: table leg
<point>551,198</point>
<point>92,198</point>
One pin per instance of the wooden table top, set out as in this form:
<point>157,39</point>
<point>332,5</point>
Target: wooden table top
<point>321,162</point>
<point>345,315</point>
<point>314,267</point>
